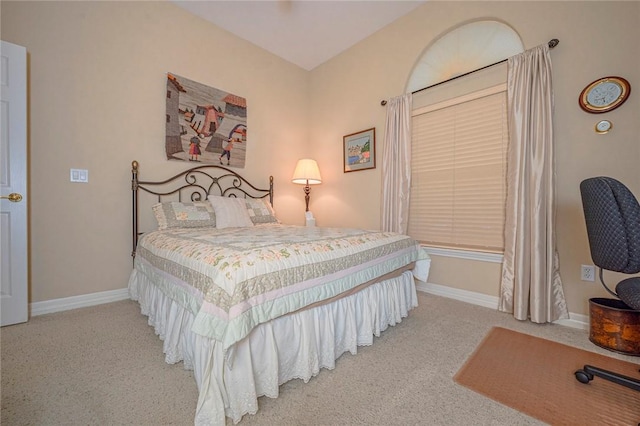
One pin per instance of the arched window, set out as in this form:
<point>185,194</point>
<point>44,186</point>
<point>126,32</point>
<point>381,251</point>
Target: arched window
<point>459,139</point>
<point>465,48</point>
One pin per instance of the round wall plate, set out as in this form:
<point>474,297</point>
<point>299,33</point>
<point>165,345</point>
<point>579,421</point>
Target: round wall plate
<point>603,126</point>
<point>604,94</point>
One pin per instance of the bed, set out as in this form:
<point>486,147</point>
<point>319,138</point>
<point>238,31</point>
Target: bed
<point>248,303</point>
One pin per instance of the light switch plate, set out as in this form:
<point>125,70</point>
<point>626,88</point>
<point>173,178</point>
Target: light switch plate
<point>79,175</point>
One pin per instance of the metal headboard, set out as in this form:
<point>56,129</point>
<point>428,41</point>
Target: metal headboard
<point>195,184</point>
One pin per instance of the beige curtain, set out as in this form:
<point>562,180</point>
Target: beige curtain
<point>531,287</point>
<point>396,164</point>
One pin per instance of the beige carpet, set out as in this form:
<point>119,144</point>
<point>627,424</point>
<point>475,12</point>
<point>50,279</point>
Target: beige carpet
<point>104,365</point>
<point>535,376</point>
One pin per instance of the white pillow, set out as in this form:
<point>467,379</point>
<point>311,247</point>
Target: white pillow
<point>230,212</point>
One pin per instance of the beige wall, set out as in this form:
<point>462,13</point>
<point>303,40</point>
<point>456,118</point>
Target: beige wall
<point>596,39</point>
<point>96,97</point>
<point>97,84</point>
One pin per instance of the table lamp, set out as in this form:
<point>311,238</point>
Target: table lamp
<point>306,173</point>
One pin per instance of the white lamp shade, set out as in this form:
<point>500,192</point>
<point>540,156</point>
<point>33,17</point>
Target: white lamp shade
<point>307,172</point>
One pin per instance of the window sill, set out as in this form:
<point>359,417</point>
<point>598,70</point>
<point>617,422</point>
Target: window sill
<point>464,254</point>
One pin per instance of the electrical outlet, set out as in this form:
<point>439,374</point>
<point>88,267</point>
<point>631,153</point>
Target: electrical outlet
<point>587,273</point>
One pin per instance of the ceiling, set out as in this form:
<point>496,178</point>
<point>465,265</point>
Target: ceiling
<point>306,33</point>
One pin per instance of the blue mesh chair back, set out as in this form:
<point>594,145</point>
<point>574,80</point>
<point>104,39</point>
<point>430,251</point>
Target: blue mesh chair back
<point>612,215</point>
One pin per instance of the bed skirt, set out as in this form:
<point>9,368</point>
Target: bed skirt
<point>295,346</point>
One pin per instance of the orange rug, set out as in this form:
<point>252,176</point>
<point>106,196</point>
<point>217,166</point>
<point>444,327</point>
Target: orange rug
<point>536,376</point>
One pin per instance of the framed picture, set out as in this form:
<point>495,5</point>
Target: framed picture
<point>359,151</point>
<point>204,124</point>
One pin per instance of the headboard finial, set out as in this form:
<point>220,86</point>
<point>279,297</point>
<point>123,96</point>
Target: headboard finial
<point>134,165</point>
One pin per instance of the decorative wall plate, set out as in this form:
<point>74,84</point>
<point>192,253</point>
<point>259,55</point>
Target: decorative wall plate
<point>604,94</point>
<point>603,126</point>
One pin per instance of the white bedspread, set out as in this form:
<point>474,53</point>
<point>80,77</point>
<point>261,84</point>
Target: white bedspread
<point>233,279</point>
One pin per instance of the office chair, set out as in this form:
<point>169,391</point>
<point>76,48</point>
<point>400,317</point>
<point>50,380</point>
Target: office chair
<point>612,215</point>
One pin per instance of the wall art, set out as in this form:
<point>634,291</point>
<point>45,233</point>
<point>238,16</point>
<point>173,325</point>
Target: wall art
<point>359,151</point>
<point>204,124</point>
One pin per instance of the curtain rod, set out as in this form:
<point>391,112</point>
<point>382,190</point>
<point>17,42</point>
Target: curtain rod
<point>552,43</point>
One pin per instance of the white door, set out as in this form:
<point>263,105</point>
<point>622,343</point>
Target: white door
<point>13,185</point>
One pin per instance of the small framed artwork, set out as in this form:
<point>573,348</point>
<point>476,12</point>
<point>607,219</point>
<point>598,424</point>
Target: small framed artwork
<point>360,151</point>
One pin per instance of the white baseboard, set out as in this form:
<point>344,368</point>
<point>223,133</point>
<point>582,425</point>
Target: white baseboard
<point>574,321</point>
<point>85,300</point>
<point>458,294</point>
<point>74,302</point>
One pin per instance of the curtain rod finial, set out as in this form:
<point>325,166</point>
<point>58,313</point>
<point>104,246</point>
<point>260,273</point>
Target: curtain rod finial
<point>383,102</point>
<point>554,42</point>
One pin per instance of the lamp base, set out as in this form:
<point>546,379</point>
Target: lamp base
<point>307,190</point>
<point>311,221</point>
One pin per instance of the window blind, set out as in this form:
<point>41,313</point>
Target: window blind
<point>458,172</point>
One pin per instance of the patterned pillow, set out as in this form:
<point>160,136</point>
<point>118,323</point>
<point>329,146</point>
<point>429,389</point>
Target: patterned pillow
<point>260,211</point>
<point>175,214</point>
<point>230,212</point>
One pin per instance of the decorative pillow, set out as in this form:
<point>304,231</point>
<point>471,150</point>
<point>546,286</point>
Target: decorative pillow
<point>260,211</point>
<point>230,212</point>
<point>175,214</point>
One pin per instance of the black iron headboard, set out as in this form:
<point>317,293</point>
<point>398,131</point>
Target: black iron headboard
<point>195,184</point>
